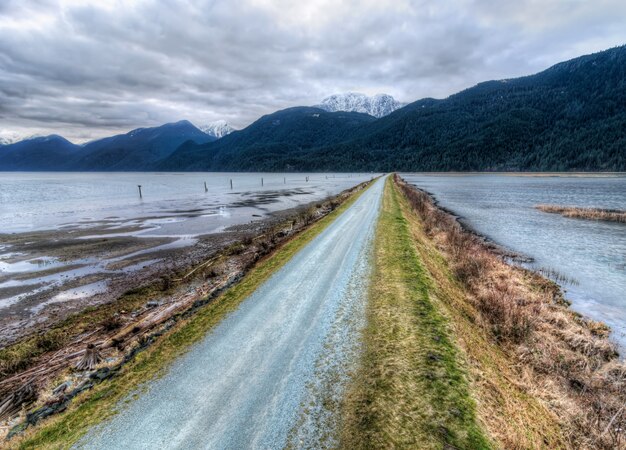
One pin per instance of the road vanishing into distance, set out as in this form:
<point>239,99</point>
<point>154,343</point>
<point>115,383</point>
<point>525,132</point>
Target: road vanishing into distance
<point>271,374</point>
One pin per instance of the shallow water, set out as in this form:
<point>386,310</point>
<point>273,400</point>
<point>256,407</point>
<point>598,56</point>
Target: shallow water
<point>98,206</point>
<point>172,203</point>
<point>591,254</point>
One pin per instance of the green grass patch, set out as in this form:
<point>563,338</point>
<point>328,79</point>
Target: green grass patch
<point>95,406</point>
<point>506,406</point>
<point>411,390</point>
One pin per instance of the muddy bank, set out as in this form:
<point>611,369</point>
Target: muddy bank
<point>45,276</point>
<point>118,329</point>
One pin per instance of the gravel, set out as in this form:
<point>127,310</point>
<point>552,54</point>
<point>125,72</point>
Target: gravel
<point>263,377</point>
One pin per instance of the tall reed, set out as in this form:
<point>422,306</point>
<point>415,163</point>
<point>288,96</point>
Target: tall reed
<point>564,359</point>
<point>610,215</point>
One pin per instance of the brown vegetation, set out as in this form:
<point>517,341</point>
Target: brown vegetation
<point>556,356</point>
<point>610,215</point>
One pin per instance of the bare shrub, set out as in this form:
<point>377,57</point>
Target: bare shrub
<point>506,312</point>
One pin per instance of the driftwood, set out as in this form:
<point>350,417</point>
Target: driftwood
<point>204,264</point>
<point>166,312</point>
<point>13,403</point>
<point>90,358</point>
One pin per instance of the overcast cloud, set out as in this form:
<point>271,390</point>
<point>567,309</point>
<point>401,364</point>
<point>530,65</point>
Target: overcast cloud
<point>85,69</point>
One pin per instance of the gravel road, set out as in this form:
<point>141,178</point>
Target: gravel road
<point>271,374</point>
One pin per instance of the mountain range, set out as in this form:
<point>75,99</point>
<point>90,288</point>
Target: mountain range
<point>280,136</point>
<point>378,105</point>
<point>571,116</point>
<point>140,149</point>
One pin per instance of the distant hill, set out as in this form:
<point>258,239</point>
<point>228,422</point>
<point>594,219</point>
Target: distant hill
<point>40,153</point>
<point>281,136</point>
<point>139,149</point>
<point>569,117</point>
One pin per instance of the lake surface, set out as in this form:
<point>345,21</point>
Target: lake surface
<point>64,236</point>
<point>590,253</point>
<point>172,203</point>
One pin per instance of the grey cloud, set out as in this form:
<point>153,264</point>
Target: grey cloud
<point>90,68</point>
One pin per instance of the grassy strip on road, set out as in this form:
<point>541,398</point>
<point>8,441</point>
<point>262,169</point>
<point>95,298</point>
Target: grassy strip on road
<point>511,414</point>
<point>412,389</point>
<point>100,403</point>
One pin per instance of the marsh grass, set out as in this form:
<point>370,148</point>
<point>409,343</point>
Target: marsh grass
<point>557,276</point>
<point>610,215</point>
<point>553,374</point>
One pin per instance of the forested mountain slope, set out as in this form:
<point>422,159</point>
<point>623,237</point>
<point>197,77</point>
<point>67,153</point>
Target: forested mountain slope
<point>569,117</point>
<point>270,143</point>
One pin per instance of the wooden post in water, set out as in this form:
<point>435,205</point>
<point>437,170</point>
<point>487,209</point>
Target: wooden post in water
<point>139,186</point>
<point>205,188</point>
<point>284,180</point>
<point>231,183</point>
<point>261,181</point>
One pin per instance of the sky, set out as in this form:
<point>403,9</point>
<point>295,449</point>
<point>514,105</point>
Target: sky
<point>92,68</point>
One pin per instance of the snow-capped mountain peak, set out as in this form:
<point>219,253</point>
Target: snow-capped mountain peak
<point>11,137</point>
<point>378,105</point>
<point>218,129</point>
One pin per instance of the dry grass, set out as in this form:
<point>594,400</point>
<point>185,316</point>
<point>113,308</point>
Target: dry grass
<point>552,374</point>
<point>611,215</point>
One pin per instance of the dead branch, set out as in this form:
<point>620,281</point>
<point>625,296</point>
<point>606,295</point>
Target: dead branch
<point>12,405</point>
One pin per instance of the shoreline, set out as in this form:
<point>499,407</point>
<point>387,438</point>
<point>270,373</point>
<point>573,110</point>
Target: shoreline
<point>130,326</point>
<point>87,267</point>
<point>496,247</point>
<point>527,262</point>
<point>511,320</point>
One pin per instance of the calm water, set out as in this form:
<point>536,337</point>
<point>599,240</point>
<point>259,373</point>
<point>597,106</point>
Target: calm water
<point>40,201</point>
<point>591,253</point>
<point>81,206</point>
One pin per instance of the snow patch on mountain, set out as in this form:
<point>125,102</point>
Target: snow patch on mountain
<point>11,137</point>
<point>218,129</point>
<point>378,105</point>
